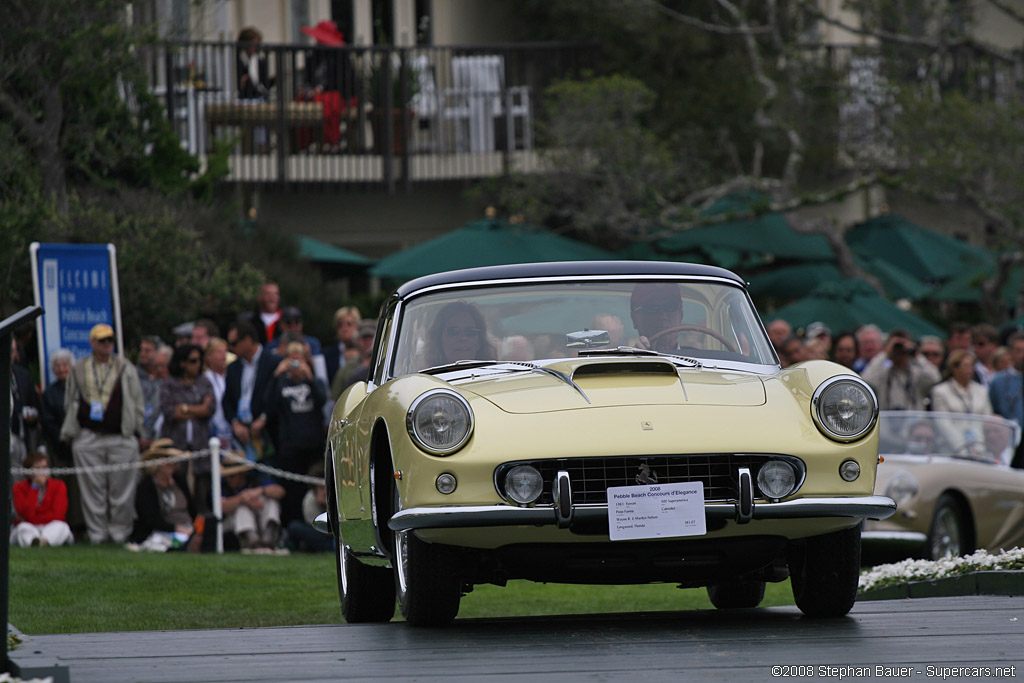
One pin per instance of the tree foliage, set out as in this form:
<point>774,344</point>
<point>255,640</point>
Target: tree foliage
<point>90,158</point>
<point>745,94</point>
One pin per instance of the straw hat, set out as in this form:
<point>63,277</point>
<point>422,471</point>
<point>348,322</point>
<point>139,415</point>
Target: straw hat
<point>161,448</point>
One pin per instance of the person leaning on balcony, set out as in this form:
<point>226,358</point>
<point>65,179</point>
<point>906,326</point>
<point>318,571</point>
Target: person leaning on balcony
<point>900,377</point>
<point>253,71</point>
<point>329,79</point>
<point>254,80</point>
<point>104,414</point>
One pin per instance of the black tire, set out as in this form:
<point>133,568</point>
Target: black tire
<point>825,571</point>
<point>736,594</point>
<point>947,535</point>
<point>427,580</point>
<point>366,593</point>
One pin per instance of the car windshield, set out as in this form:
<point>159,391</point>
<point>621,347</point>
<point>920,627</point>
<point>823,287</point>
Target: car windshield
<point>987,438</point>
<point>707,320</point>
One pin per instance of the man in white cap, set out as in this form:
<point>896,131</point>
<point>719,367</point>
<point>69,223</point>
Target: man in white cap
<point>104,413</point>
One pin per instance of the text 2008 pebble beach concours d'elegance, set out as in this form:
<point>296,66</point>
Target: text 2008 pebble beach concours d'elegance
<point>596,423</point>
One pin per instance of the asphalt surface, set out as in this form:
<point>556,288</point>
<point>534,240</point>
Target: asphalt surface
<point>977,637</point>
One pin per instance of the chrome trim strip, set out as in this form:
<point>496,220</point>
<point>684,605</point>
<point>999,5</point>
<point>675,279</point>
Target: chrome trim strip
<point>568,278</point>
<point>449,517</point>
<point>894,537</point>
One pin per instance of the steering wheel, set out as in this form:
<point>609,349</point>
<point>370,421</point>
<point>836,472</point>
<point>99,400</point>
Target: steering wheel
<point>694,328</point>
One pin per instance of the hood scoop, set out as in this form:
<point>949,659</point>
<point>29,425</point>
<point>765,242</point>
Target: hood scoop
<point>642,367</point>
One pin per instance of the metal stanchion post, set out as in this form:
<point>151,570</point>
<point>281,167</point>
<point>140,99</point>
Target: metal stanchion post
<point>218,514</point>
<point>7,327</point>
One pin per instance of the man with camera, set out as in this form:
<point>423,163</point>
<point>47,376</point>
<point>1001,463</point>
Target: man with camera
<point>901,379</point>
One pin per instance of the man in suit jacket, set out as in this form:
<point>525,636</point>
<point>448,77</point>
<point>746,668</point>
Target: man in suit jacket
<point>246,384</point>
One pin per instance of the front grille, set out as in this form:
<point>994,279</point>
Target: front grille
<point>591,477</point>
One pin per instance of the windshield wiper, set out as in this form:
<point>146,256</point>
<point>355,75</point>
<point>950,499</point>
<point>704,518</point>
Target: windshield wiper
<point>459,365</point>
<point>636,351</point>
<point>511,366</point>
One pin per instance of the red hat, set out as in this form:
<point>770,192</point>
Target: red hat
<point>325,33</point>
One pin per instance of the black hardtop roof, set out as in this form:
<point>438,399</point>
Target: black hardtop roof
<point>554,269</point>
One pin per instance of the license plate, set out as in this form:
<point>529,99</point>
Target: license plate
<point>656,511</point>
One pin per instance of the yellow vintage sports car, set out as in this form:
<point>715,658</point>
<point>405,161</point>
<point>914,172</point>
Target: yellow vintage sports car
<point>600,423</point>
<point>950,476</point>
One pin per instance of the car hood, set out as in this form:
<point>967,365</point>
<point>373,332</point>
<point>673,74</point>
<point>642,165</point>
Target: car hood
<point>588,383</point>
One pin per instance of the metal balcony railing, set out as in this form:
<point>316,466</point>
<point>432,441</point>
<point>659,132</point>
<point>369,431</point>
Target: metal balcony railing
<point>361,117</point>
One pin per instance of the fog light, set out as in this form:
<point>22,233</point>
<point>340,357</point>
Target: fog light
<point>776,479</point>
<point>446,483</point>
<point>849,470</point>
<point>523,484</point>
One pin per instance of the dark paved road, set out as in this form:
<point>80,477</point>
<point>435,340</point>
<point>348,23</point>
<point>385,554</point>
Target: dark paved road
<point>976,631</point>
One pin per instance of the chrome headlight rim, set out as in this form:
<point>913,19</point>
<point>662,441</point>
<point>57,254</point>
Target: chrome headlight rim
<point>410,421</point>
<point>816,407</point>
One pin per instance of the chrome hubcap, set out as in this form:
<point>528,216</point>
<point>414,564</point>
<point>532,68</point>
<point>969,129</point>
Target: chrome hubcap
<point>947,535</point>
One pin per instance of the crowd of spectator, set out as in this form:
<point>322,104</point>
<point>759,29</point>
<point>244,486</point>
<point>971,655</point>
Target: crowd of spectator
<point>261,386</point>
<point>265,389</point>
<point>977,370</point>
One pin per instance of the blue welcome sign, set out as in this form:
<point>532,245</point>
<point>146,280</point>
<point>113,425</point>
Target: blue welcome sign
<point>76,284</point>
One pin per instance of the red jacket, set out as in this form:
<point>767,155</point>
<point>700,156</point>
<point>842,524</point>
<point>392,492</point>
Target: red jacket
<point>54,506</point>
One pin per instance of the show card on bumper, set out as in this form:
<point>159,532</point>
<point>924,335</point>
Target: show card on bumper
<point>656,511</point>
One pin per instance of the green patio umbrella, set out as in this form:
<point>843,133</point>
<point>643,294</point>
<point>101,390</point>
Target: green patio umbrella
<point>767,233</point>
<point>927,255</point>
<point>966,288</point>
<point>322,252</point>
<point>846,304</point>
<point>794,280</point>
<point>487,242</point>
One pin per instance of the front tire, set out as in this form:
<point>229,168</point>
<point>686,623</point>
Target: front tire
<point>427,580</point>
<point>736,594</point>
<point>825,571</point>
<point>366,593</point>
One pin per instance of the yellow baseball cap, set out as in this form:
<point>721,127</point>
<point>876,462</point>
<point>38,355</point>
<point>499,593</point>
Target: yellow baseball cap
<point>101,331</point>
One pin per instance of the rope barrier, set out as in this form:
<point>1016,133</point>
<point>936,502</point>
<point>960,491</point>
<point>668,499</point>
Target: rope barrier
<point>228,456</point>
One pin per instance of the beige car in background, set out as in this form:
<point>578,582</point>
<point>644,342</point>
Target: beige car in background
<point>954,488</point>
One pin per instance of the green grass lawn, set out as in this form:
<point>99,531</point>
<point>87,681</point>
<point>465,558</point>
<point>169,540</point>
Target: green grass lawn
<point>91,589</point>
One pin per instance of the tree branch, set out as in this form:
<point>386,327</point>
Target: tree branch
<point>703,25</point>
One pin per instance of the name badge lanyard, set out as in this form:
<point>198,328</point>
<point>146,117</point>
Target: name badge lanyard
<point>97,407</point>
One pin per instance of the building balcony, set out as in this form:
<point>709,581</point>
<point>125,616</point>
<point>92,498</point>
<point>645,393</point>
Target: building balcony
<point>369,118</point>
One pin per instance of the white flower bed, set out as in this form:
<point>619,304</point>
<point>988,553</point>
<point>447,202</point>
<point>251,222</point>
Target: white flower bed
<point>922,570</point>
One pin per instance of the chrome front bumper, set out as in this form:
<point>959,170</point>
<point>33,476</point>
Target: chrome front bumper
<point>866,507</point>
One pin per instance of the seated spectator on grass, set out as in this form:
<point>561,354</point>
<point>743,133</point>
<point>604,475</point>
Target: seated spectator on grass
<point>301,534</point>
<point>251,505</point>
<point>164,510</point>
<point>40,506</point>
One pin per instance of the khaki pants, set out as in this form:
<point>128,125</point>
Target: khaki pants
<point>244,518</point>
<point>108,498</point>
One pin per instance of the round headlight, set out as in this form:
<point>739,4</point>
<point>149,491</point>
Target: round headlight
<point>523,484</point>
<point>901,488</point>
<point>776,479</point>
<point>446,483</point>
<point>849,470</point>
<point>844,408</point>
<point>440,421</point>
